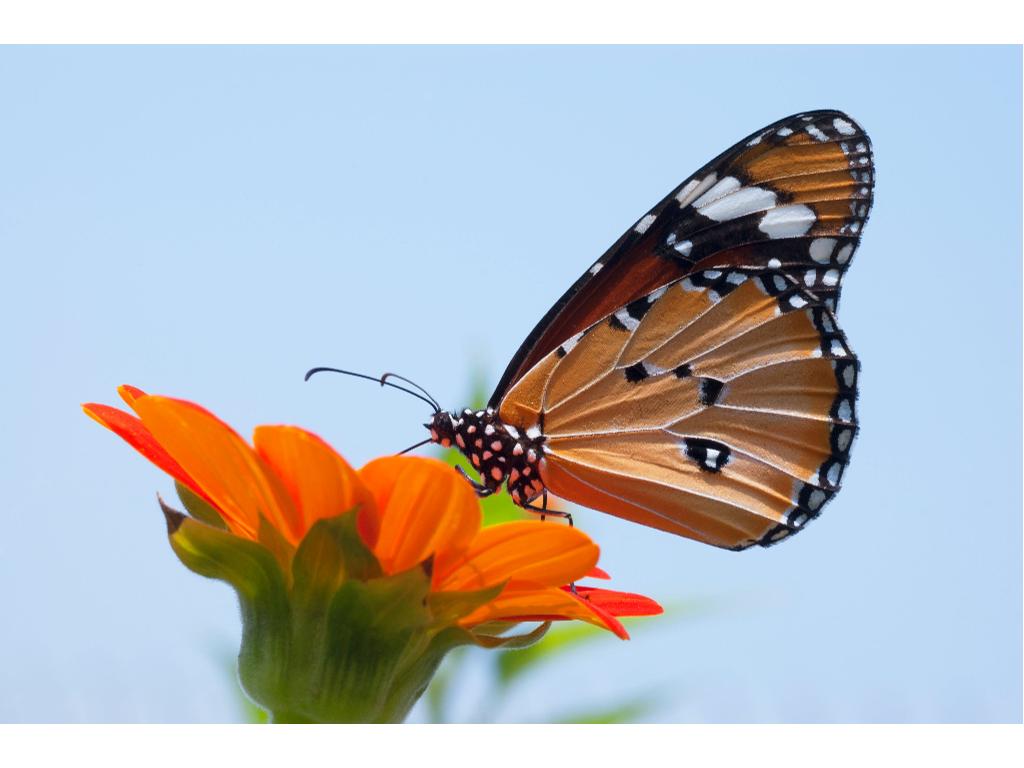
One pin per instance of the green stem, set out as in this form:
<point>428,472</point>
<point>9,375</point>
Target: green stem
<point>288,717</point>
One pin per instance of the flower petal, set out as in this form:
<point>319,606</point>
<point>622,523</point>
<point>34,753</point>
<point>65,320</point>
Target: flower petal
<point>129,393</point>
<point>320,482</point>
<point>619,603</point>
<point>134,432</point>
<point>425,509</point>
<point>546,554</point>
<point>223,466</point>
<point>547,604</point>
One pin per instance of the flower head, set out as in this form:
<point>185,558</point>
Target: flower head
<point>331,563</point>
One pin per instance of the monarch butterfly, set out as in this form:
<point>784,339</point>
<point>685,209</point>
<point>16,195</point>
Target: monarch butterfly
<point>695,379</point>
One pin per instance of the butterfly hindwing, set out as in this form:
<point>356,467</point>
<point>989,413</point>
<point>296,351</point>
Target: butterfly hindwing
<point>794,196</point>
<point>720,407</point>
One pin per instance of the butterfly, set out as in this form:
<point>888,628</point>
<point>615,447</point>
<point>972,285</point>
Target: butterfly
<point>695,378</point>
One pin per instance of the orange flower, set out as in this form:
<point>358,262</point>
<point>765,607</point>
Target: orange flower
<point>412,512</point>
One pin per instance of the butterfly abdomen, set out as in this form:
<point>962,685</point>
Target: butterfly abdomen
<point>500,452</point>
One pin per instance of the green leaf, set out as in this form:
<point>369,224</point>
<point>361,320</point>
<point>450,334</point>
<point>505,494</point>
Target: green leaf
<point>198,507</point>
<point>511,641</point>
<point>627,712</point>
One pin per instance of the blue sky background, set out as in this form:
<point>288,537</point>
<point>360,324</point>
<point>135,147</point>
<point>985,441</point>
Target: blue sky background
<point>209,223</point>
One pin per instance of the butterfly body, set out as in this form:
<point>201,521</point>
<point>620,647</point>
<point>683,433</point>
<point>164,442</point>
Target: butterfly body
<point>502,453</point>
<point>695,378</point>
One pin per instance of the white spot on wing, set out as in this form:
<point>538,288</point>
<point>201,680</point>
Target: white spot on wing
<point>787,221</point>
<point>721,188</point>
<point>684,247</point>
<point>741,202</point>
<point>693,188</point>
<point>833,473</point>
<point>817,133</point>
<point>596,268</point>
<point>844,126</point>
<point>784,132</point>
<point>821,249</point>
<point>567,347</point>
<point>816,499</point>
<point>626,319</point>
<point>843,440</point>
<point>645,223</point>
<point>844,253</point>
<point>845,410</point>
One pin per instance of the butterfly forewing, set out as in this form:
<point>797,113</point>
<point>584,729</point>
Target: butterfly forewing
<point>718,407</point>
<point>793,196</point>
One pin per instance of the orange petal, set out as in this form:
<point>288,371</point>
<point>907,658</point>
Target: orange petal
<point>549,603</point>
<point>129,393</point>
<point>223,466</point>
<point>597,573</point>
<point>134,432</point>
<point>546,554</point>
<point>320,482</point>
<point>425,508</point>
<point>619,603</point>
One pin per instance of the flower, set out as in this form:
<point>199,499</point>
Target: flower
<point>354,584</point>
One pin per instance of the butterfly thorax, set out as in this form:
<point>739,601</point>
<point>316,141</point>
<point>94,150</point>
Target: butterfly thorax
<point>500,452</point>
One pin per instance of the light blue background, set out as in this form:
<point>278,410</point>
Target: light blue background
<point>209,223</point>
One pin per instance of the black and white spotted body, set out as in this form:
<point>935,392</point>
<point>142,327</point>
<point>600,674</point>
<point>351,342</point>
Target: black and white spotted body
<point>500,452</point>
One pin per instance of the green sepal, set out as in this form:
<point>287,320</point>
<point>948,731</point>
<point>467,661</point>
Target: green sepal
<point>353,662</point>
<point>511,641</point>
<point>198,507</point>
<point>278,546</point>
<point>330,553</point>
<point>511,665</point>
<point>257,578</point>
<point>449,607</point>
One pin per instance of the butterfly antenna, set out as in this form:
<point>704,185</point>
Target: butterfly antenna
<point>413,447</point>
<point>386,376</point>
<point>382,381</point>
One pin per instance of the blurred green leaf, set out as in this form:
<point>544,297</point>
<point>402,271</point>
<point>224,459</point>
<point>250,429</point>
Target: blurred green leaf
<point>512,665</point>
<point>628,712</point>
<point>436,697</point>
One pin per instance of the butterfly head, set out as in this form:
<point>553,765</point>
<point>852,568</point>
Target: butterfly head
<point>442,428</point>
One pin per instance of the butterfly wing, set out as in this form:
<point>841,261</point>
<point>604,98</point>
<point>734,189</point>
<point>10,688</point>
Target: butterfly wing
<point>794,196</point>
<point>719,407</point>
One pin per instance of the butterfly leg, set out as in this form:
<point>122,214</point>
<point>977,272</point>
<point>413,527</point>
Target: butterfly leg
<point>482,491</point>
<point>544,512</point>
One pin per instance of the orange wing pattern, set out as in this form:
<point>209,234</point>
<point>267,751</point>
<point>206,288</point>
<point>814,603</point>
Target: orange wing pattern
<point>719,407</point>
<point>793,196</point>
